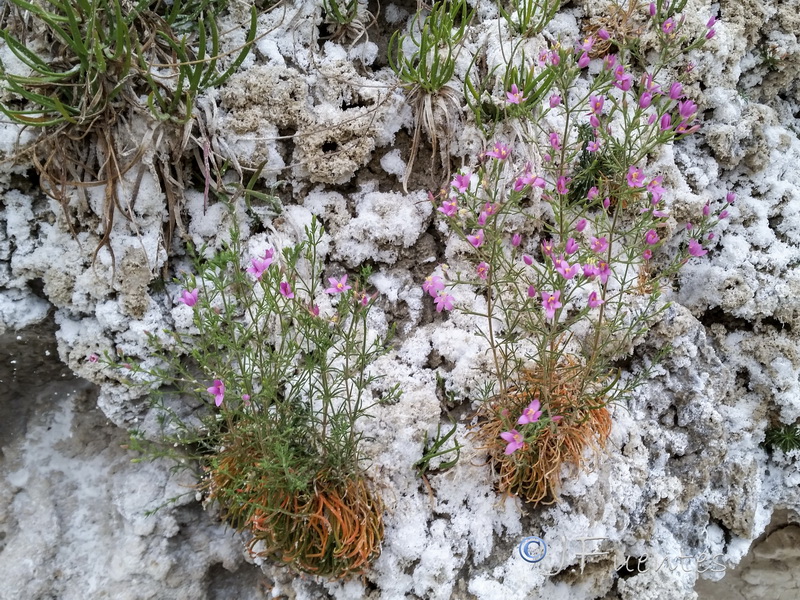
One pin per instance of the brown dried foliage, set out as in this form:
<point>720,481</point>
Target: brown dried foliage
<point>621,23</point>
<point>331,527</point>
<point>533,472</point>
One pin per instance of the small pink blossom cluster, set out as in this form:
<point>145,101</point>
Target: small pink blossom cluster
<point>434,286</point>
<point>530,415</point>
<point>258,266</point>
<point>550,58</point>
<point>707,222</point>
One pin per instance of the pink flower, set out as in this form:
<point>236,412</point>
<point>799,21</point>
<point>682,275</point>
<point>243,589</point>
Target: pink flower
<point>666,122</point>
<point>547,247</point>
<point>710,34</point>
<point>595,300</point>
<point>581,225</point>
<point>571,246</point>
<point>338,286</point>
<point>259,265</point>
<point>711,22</point>
<point>687,109</point>
<point>531,413</point>
<point>668,26</point>
<point>531,292</point>
<point>596,104</point>
<point>433,284</point>
<point>654,187</point>
<point>592,193</point>
<point>706,209</point>
<point>286,290</point>
<point>590,270</point>
<point>443,302</point>
<point>93,358</point>
<point>652,9</point>
<point>603,271</point>
<point>603,34</point>
<point>723,215</point>
<point>189,298</point>
<point>583,61</point>
<point>483,270</point>
<point>551,302</point>
<point>650,85</point>
<point>526,179</point>
<point>647,254</point>
<point>561,185</point>
<point>477,239</point>
<point>651,237</point>
<point>683,128</point>
<point>514,439</point>
<point>527,260</point>
<point>555,142</point>
<point>609,61</point>
<point>593,146</point>
<point>622,80</point>
<point>514,96</point>
<point>449,207</point>
<point>730,198</point>
<point>695,249</point>
<point>516,240</point>
<point>542,60</point>
<point>555,100</point>
<point>567,271</point>
<point>645,99</point>
<point>500,151</point>
<point>597,245</point>
<point>587,44</point>
<point>675,91</point>
<point>218,391</point>
<point>488,211</point>
<point>461,182</point>
<point>635,177</point>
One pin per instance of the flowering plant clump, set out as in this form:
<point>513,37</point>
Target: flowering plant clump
<point>569,249</point>
<point>281,366</point>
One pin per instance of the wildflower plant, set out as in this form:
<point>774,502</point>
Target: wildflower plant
<point>528,17</point>
<point>102,58</point>
<point>424,61</point>
<point>280,363</point>
<point>564,303</point>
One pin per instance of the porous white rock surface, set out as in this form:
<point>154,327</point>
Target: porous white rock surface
<point>685,479</point>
